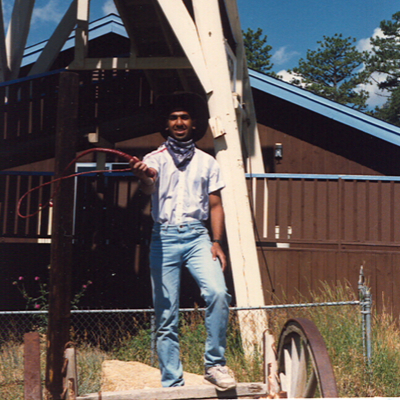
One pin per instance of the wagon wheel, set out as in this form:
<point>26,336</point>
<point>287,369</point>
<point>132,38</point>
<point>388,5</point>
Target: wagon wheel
<point>304,366</point>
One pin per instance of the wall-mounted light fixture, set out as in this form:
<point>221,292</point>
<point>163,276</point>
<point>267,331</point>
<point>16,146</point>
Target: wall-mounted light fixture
<point>278,154</point>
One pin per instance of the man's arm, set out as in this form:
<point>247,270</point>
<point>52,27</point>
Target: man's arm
<point>217,226</point>
<point>140,169</point>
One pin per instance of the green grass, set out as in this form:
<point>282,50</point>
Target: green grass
<point>339,326</point>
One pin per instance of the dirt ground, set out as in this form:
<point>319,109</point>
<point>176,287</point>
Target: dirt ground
<point>121,375</point>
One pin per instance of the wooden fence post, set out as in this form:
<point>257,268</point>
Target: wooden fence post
<point>61,239</point>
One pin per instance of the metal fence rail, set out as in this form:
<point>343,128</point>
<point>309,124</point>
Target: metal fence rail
<point>109,328</point>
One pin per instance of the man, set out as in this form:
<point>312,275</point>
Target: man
<point>185,191</point>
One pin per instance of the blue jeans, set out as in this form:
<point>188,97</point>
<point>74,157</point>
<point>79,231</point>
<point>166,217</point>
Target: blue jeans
<point>172,247</point>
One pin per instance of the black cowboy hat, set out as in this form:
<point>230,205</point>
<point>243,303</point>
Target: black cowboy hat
<point>193,103</point>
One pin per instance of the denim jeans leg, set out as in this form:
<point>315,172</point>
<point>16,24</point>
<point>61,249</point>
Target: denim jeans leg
<point>210,278</point>
<point>165,277</point>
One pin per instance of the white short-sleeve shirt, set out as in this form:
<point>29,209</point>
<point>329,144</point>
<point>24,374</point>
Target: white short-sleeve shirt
<point>182,195</point>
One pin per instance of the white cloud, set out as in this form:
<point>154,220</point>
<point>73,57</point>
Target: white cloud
<point>53,11</point>
<point>288,76</point>
<point>109,7</point>
<point>377,97</point>
<point>365,44</point>
<point>7,9</point>
<point>282,55</point>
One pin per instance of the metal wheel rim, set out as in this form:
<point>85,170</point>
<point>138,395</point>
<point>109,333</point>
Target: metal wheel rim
<point>304,366</point>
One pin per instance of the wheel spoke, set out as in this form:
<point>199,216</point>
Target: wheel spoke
<point>295,367</point>
<point>311,385</point>
<point>303,362</point>
<point>288,371</point>
<point>302,374</point>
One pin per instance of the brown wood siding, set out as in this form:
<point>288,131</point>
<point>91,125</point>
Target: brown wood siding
<point>327,210</point>
<point>295,271</point>
<point>314,144</point>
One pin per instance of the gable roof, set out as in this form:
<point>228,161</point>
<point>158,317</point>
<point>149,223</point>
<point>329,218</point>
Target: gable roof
<point>112,23</point>
<point>328,108</point>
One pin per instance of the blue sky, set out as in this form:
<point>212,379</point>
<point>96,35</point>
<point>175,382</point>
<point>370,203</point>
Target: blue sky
<point>292,26</point>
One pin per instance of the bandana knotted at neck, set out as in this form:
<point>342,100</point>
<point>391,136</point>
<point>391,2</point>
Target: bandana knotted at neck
<point>181,152</point>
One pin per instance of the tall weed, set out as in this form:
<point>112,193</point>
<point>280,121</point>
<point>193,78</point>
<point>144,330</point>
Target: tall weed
<point>340,327</point>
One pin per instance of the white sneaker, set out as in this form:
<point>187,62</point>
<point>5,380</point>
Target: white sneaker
<point>220,377</point>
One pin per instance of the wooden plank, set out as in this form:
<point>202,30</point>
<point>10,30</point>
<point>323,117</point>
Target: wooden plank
<point>12,112</point>
<point>362,211</point>
<point>305,272</point>
<point>81,31</point>
<point>384,281</point>
<point>17,34</point>
<point>272,200</point>
<point>268,271</point>
<point>32,381</point>
<point>386,212</point>
<point>373,210</point>
<point>258,211</point>
<point>394,305</point>
<point>182,393</point>
<point>332,210</point>
<point>321,210</point>
<point>4,71</point>
<point>147,63</point>
<point>24,102</point>
<point>293,262</point>
<point>61,244</point>
<point>396,212</point>
<point>185,30</point>
<point>228,146</point>
<point>348,210</point>
<point>295,212</point>
<point>283,209</point>
<point>308,209</point>
<point>70,381</point>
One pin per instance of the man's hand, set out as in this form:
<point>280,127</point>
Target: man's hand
<point>141,170</point>
<point>216,251</point>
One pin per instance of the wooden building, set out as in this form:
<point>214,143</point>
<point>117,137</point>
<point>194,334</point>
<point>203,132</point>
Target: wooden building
<point>327,204</point>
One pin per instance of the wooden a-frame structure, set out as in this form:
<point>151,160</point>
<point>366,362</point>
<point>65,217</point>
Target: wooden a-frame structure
<point>200,42</point>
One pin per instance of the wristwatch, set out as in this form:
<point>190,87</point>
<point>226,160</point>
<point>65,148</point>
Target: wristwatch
<point>217,241</point>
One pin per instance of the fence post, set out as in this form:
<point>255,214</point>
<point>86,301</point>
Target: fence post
<point>61,238</point>
<point>366,305</point>
<point>153,339</point>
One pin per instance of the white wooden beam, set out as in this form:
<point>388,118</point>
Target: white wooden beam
<point>17,35</point>
<point>185,30</point>
<point>255,163</point>
<point>145,63</point>
<point>123,11</point>
<point>56,41</point>
<point>82,31</point>
<point>243,390</point>
<point>240,233</point>
<point>4,70</point>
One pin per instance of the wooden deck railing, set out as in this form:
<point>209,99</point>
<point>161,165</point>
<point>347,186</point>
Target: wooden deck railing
<point>313,209</point>
<point>105,206</point>
<point>28,106</point>
<point>326,208</point>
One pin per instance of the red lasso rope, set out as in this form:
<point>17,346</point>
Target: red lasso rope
<point>121,154</point>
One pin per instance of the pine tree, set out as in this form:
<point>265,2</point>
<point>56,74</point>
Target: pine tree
<point>385,59</point>
<point>390,111</point>
<point>257,51</point>
<point>385,55</point>
<point>334,71</point>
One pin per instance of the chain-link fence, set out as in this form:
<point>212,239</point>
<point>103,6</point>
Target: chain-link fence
<point>109,329</point>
